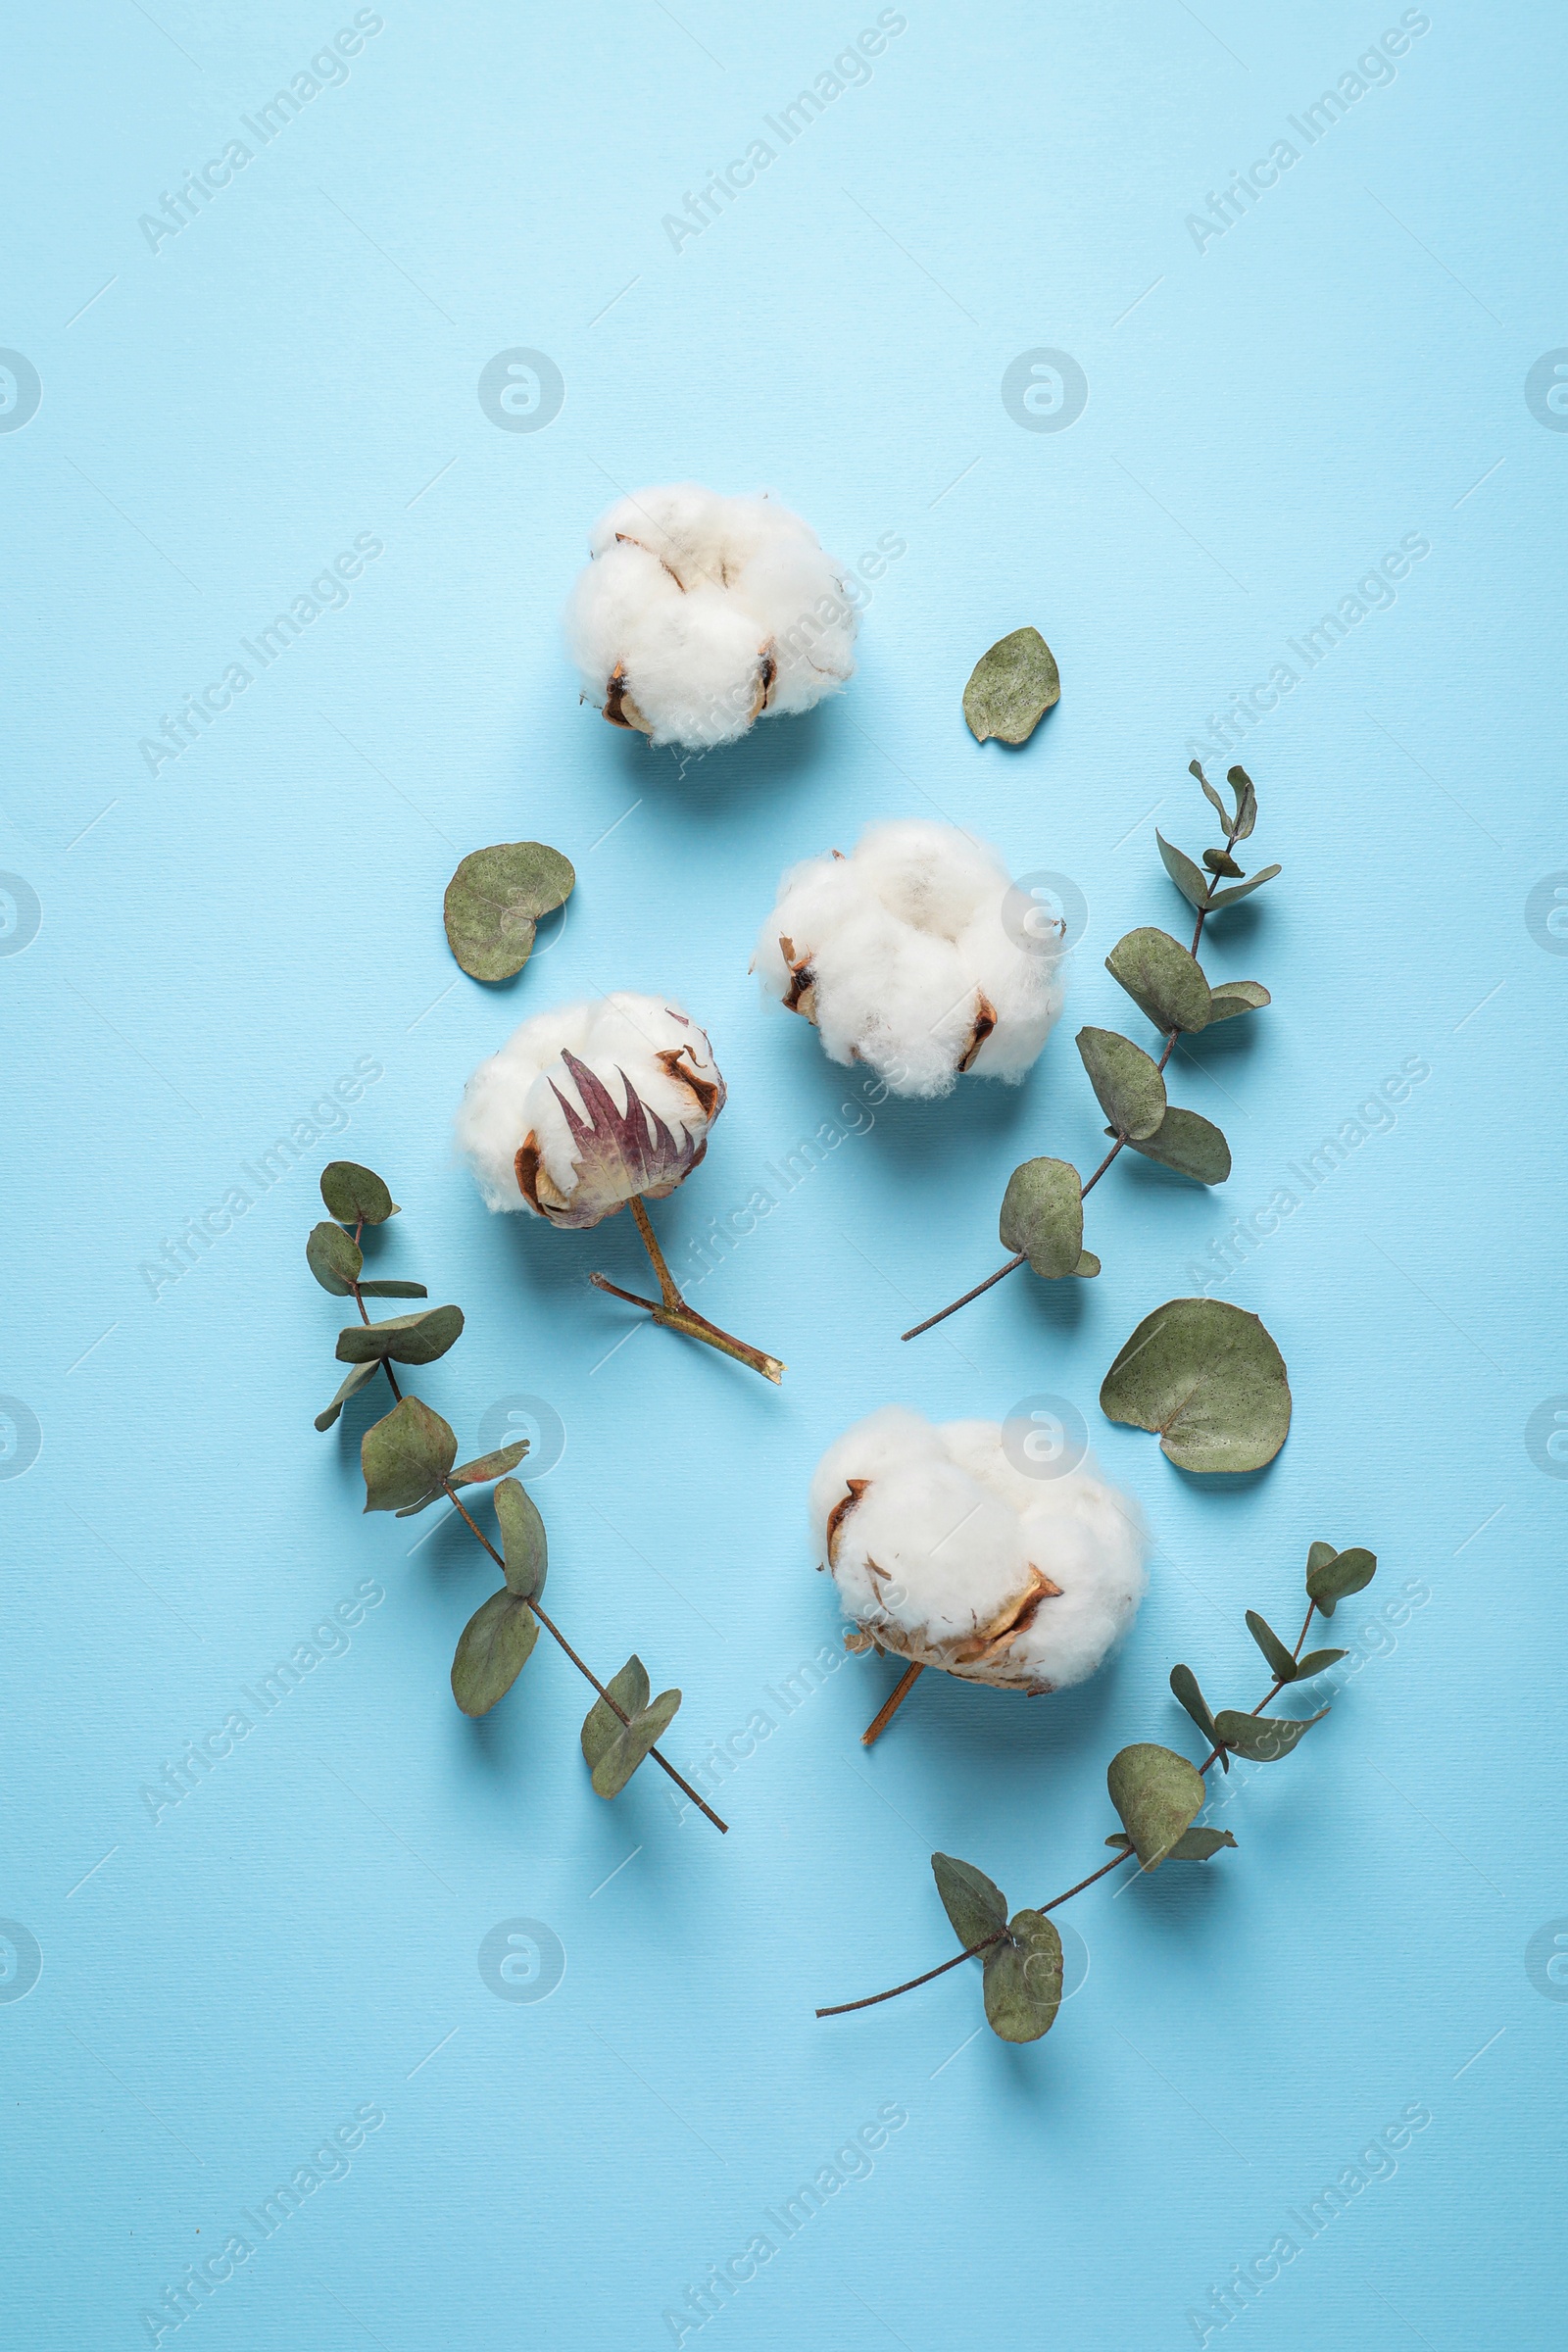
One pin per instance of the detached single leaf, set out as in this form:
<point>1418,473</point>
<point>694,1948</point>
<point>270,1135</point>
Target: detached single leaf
<point>405,1339</point>
<point>1127,1081</point>
<point>393,1290</point>
<point>1318,1661</point>
<point>1190,879</point>
<point>406,1456</point>
<point>486,1466</point>
<point>975,1905</point>
<point>1157,1793</point>
<point>356,1195</point>
<point>1043,1215</point>
<point>527,1553</point>
<point>355,1381</point>
<point>495,900</point>
<point>1199,1845</point>
<point>1162,978</point>
<point>632,1742</point>
<point>1023,1978</point>
<point>1191,1144</point>
<point>1011,688</point>
<point>1209,1379</point>
<point>629,1691</point>
<point>1242,889</point>
<point>1336,1578</point>
<point>1231,997</point>
<point>335,1258</point>
<point>1281,1664</point>
<point>492,1652</point>
<point>1264,1738</point>
<point>1184,1687</point>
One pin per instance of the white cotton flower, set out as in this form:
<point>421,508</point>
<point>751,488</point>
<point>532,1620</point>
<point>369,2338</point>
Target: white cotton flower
<point>699,614</point>
<point>588,1104</point>
<point>912,954</point>
<point>946,1553</point>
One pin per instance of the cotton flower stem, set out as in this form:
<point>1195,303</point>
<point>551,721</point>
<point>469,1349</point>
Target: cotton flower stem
<point>551,1627</point>
<point>893,1701</point>
<point>1013,1263</point>
<point>671,1309</point>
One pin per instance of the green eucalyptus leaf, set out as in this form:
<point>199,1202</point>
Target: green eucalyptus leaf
<point>1162,978</point>
<point>1264,1738</point>
<point>393,1290</point>
<point>1157,1793</point>
<point>1318,1661</point>
<point>1121,1838</point>
<point>355,1381</point>
<point>1231,997</point>
<point>1210,795</point>
<point>975,1905</point>
<point>1011,688</point>
<point>492,1652</point>
<point>1242,889</point>
<point>1241,783</point>
<point>1191,1144</point>
<point>1281,1664</point>
<point>1199,1845</point>
<point>1129,1085</point>
<point>1209,1379</point>
<point>1043,1215</point>
<point>1220,861</point>
<point>1088,1266</point>
<point>486,1466</point>
<point>495,900</point>
<point>629,1691</point>
<point>335,1258</point>
<point>528,1552</point>
<point>630,1744</point>
<point>405,1339</point>
<point>356,1195</point>
<point>1184,1686</point>
<point>406,1456</point>
<point>1336,1578</point>
<point>1023,1978</point>
<point>1193,883</point>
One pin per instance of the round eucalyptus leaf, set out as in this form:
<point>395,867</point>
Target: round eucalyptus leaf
<point>1231,997</point>
<point>522,1540</point>
<point>492,1651</point>
<point>354,1380</point>
<point>1130,1088</point>
<point>356,1195</point>
<point>1220,861</point>
<point>1043,1215</point>
<point>601,1724</point>
<point>335,1258</point>
<point>406,1456</point>
<point>1157,1793</point>
<point>405,1339</point>
<point>632,1742</point>
<point>1336,1578</point>
<point>1192,1145</point>
<point>1209,1379</point>
<point>1190,879</point>
<point>1011,688</point>
<point>1162,978</point>
<point>1023,1978</point>
<point>976,1907</point>
<point>495,900</point>
<point>1264,1738</point>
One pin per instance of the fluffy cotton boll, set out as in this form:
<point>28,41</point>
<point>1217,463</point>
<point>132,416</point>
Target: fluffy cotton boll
<point>588,1104</point>
<point>904,956</point>
<point>945,1553</point>
<point>698,614</point>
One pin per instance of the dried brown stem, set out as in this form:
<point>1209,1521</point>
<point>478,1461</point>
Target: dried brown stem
<point>892,1703</point>
<point>671,1309</point>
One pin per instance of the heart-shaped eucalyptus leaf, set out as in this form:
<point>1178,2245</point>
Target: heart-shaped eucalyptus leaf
<point>492,1651</point>
<point>356,1195</point>
<point>1231,997</point>
<point>1281,1664</point>
<point>1157,1793</point>
<point>405,1339</point>
<point>1191,1144</point>
<point>355,1380</point>
<point>1264,1738</point>
<point>1162,978</point>
<point>1191,880</point>
<point>613,1749</point>
<point>406,1456</point>
<point>1335,1577</point>
<point>1023,1978</point>
<point>977,1908</point>
<point>527,1551</point>
<point>496,900</point>
<point>1128,1083</point>
<point>1011,688</point>
<point>1209,1379</point>
<point>1184,1686</point>
<point>1043,1215</point>
<point>335,1258</point>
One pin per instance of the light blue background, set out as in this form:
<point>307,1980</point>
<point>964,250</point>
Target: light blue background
<point>221,943</point>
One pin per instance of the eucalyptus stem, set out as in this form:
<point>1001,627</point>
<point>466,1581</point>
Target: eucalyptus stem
<point>551,1627</point>
<point>671,1309</point>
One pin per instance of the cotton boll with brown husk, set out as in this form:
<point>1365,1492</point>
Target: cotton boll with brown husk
<point>911,954</point>
<point>590,1105</point>
<point>698,614</point>
<point>946,1554</point>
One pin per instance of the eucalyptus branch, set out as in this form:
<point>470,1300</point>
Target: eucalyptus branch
<point>1041,1214</point>
<point>408,1463</point>
<point>1158,1795</point>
